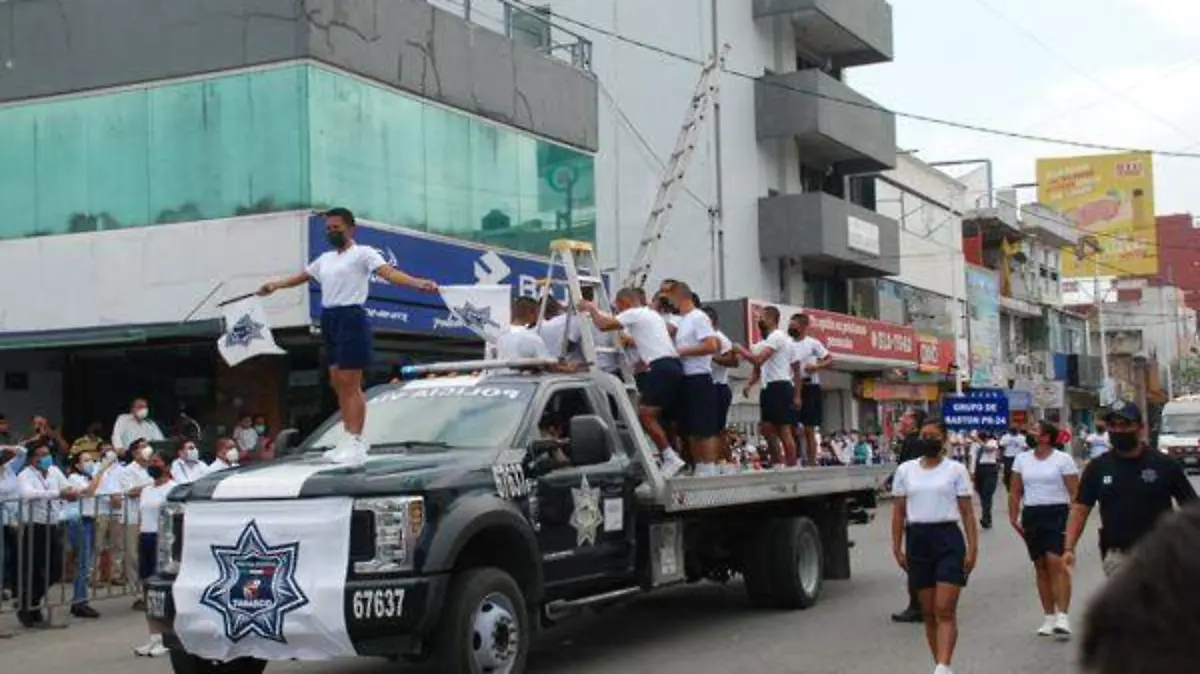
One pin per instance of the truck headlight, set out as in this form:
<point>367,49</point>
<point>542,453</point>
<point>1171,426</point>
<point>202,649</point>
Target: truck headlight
<point>398,523</point>
<point>170,538</point>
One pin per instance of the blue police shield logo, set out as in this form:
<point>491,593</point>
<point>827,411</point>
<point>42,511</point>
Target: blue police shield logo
<point>243,332</point>
<point>257,586</point>
<point>476,318</point>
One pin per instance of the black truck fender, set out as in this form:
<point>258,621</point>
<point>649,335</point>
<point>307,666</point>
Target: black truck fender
<point>493,530</point>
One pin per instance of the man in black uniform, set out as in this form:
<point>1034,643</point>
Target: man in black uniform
<point>910,448</point>
<point>1133,485</point>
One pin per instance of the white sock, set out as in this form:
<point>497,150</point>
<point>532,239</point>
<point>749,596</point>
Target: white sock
<point>703,469</point>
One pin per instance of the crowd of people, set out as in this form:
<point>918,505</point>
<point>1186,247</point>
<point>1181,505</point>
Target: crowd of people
<point>86,512</point>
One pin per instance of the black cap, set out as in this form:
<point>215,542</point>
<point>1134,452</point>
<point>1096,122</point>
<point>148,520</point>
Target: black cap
<point>1123,409</point>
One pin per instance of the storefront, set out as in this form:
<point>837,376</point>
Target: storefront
<point>882,403</point>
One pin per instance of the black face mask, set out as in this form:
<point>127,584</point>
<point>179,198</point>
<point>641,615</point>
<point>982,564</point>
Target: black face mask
<point>1123,441</point>
<point>155,472</point>
<point>336,239</point>
<point>763,328</point>
<point>793,333</point>
<point>930,448</point>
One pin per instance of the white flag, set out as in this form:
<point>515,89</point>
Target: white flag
<point>247,332</point>
<point>485,309</point>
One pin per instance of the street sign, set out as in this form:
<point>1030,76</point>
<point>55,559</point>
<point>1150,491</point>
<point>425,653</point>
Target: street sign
<point>979,410</point>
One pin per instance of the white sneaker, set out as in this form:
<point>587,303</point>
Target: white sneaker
<point>149,647</point>
<point>672,463</point>
<point>1062,627</point>
<point>1047,628</point>
<point>158,650</point>
<point>351,450</point>
<point>942,669</point>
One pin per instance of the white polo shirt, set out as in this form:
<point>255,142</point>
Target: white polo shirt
<point>1043,479</point>
<point>649,332</point>
<point>150,504</point>
<point>345,276</point>
<point>40,494</point>
<point>931,494</point>
<point>133,475</point>
<point>720,373</point>
<point>519,342</point>
<point>693,329</point>
<point>187,472</point>
<point>806,352</point>
<point>779,366</point>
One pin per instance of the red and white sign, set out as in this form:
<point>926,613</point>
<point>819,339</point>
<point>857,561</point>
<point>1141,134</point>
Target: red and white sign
<point>850,339</point>
<point>934,354</point>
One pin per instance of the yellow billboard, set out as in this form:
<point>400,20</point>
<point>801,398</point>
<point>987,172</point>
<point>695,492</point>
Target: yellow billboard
<point>1110,197</point>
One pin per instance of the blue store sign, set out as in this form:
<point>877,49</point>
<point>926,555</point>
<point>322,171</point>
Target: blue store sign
<point>393,307</point>
<point>1019,400</point>
<point>979,410</point>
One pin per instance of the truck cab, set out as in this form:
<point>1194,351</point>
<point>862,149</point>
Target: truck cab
<point>1179,431</point>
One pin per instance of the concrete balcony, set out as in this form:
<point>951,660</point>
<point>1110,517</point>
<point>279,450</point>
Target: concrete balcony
<point>1049,226</point>
<point>830,235</point>
<point>830,122</point>
<point>848,32</point>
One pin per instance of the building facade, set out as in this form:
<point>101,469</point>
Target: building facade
<point>1179,254</point>
<point>145,190</point>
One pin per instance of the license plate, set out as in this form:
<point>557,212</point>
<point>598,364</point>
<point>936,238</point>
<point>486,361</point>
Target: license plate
<point>156,604</point>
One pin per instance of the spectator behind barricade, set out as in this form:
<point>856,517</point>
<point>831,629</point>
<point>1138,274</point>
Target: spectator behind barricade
<point>43,487</point>
<point>227,455</point>
<point>6,435</point>
<point>149,505</point>
<point>187,466</point>
<point>134,478</point>
<point>266,444</point>
<point>86,475</point>
<point>244,434</point>
<point>51,436</point>
<point>89,441</point>
<point>110,525</point>
<point>12,460</point>
<point>135,424</point>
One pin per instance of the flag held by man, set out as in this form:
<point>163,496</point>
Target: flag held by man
<point>247,332</point>
<point>484,309</point>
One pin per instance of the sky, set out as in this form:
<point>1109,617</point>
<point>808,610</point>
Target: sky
<point>1115,72</point>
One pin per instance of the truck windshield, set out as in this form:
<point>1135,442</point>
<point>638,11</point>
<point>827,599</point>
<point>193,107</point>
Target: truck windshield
<point>447,413</point>
<point>1180,424</point>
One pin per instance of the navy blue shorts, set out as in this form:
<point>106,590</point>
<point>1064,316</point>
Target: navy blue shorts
<point>810,410</point>
<point>662,383</point>
<point>724,402</point>
<point>775,402</point>
<point>699,410</point>
<point>1045,529</point>
<point>147,555</point>
<point>936,554</point>
<point>347,334</point>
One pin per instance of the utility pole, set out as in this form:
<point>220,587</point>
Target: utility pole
<point>1100,327</point>
<point>960,322</point>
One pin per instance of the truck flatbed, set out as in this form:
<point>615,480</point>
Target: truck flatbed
<point>699,493</point>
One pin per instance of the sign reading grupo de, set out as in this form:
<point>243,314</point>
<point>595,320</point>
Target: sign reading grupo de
<point>979,410</point>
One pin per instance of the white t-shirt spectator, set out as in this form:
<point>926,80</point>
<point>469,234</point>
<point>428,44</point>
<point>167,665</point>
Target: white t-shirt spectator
<point>10,488</point>
<point>720,373</point>
<point>806,352</point>
<point>128,428</point>
<point>133,475</point>
<point>1013,444</point>
<point>931,494</point>
<point>649,332</point>
<point>1042,479</point>
<point>519,342</point>
<point>693,329</point>
<point>245,438</point>
<point>41,494</point>
<point>1097,444</point>
<point>779,366</point>
<point>150,504</point>
<point>345,276</point>
<point>187,472</point>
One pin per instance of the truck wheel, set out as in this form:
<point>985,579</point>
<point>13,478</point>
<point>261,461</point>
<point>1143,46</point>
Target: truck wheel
<point>183,662</point>
<point>797,563</point>
<point>756,566</point>
<point>485,626</point>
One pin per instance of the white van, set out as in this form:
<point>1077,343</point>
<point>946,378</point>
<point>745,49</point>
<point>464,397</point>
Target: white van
<point>1179,431</point>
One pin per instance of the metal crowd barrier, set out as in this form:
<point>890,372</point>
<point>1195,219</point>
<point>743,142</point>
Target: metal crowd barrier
<point>75,559</point>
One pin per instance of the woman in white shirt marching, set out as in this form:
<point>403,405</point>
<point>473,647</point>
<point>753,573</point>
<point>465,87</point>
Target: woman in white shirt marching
<point>1044,484</point>
<point>187,466</point>
<point>933,495</point>
<point>985,468</point>
<point>149,504</point>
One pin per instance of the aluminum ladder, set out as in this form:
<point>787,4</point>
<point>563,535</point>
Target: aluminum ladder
<point>671,181</point>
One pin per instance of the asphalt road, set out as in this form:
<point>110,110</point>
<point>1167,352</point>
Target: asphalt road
<point>706,625</point>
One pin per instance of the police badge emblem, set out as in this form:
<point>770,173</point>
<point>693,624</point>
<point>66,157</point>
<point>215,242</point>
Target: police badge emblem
<point>256,588</point>
<point>244,331</point>
<point>586,517</point>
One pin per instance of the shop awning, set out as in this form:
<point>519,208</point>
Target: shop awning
<point>108,335</point>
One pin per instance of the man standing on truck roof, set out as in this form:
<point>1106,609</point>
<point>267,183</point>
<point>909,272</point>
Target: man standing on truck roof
<point>772,362</point>
<point>699,411</point>
<point>1133,485</point>
<point>660,386</point>
<point>344,274</point>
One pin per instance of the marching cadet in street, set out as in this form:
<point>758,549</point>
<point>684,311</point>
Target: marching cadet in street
<point>985,470</point>
<point>1133,485</point>
<point>344,273</point>
<point>911,447</point>
<point>1044,482</point>
<point>1013,442</point>
<point>699,409</point>
<point>660,386</point>
<point>772,360</point>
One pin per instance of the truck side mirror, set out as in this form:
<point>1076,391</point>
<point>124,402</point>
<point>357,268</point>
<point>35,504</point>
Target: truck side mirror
<point>591,440</point>
<point>286,440</point>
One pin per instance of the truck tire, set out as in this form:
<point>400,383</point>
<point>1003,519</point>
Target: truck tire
<point>797,563</point>
<point>183,662</point>
<point>756,566</point>
<point>485,625</point>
